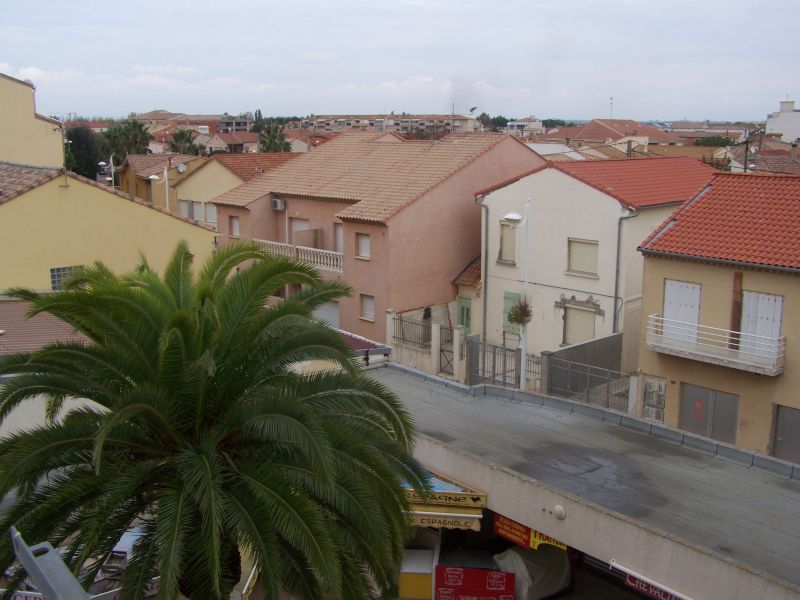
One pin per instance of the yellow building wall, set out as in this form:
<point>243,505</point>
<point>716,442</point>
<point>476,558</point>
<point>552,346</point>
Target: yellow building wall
<point>57,226</point>
<point>202,185</point>
<point>758,394</point>
<point>154,191</point>
<point>24,137</point>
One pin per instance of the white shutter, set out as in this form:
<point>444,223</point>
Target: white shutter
<point>338,230</point>
<point>681,310</point>
<point>184,208</point>
<point>579,325</point>
<point>582,256</point>
<point>761,316</point>
<point>507,242</point>
<point>363,245</point>
<point>211,213</point>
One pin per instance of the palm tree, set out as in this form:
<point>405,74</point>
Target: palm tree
<point>183,142</point>
<point>201,430</point>
<point>272,138</point>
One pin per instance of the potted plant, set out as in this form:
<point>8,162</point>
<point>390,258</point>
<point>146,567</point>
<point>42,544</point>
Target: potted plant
<point>521,312</point>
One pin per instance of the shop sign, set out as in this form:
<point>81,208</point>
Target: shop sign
<point>523,535</point>
<point>538,538</point>
<point>462,499</point>
<point>648,589</point>
<point>462,583</point>
<point>446,521</point>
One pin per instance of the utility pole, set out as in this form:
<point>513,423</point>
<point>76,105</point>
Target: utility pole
<point>611,101</point>
<point>746,151</point>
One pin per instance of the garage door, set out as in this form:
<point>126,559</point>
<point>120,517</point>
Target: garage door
<point>328,312</point>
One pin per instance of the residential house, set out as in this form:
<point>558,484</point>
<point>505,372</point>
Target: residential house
<point>233,141</point>
<point>403,123</point>
<point>785,121</point>
<point>52,220</point>
<point>768,154</point>
<point>615,132</point>
<point>216,176</point>
<point>299,139</point>
<point>576,248</point>
<point>153,177</point>
<point>527,127</point>
<point>721,307</point>
<point>27,137</point>
<point>395,219</point>
<point>694,130</point>
<point>94,126</point>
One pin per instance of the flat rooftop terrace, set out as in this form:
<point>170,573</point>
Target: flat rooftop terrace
<point>743,513</point>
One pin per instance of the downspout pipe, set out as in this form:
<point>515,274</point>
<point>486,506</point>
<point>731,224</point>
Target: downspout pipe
<point>633,214</point>
<point>484,262</point>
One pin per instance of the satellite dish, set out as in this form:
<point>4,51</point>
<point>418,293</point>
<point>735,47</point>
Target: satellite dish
<point>181,167</point>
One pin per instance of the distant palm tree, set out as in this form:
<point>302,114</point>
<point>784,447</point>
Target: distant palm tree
<point>183,142</point>
<point>272,138</point>
<point>202,430</point>
<point>129,137</point>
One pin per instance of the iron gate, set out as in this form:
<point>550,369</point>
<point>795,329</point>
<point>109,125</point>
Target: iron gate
<point>446,350</point>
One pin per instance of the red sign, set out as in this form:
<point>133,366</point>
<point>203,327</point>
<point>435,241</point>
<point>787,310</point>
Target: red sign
<point>462,583</point>
<point>511,530</point>
<point>648,589</point>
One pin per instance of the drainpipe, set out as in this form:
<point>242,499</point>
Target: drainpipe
<point>484,261</point>
<point>615,325</point>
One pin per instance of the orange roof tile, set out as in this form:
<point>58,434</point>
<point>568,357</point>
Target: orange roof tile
<point>17,179</point>
<point>603,129</point>
<point>144,165</point>
<point>750,219</point>
<point>24,334</point>
<point>471,275</point>
<point>643,182</point>
<point>378,173</point>
<point>249,165</point>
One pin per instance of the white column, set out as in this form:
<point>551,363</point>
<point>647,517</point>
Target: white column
<point>436,337</point>
<point>458,339</point>
<point>390,329</point>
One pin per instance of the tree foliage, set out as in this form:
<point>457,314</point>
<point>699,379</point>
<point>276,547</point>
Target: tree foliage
<point>714,140</point>
<point>485,120</point>
<point>272,138</point>
<point>258,122</point>
<point>84,151</point>
<point>183,142</point>
<point>200,428</point>
<point>499,122</point>
<point>129,137</point>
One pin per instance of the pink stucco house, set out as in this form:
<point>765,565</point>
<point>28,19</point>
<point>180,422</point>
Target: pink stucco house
<point>395,219</point>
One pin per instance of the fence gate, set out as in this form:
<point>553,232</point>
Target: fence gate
<point>446,350</point>
<point>493,364</point>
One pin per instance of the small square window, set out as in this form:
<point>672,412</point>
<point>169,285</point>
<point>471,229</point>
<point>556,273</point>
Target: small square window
<point>367,306</point>
<point>58,275</point>
<point>363,249</point>
<point>582,256</point>
<point>211,213</point>
<point>234,226</point>
<point>183,205</point>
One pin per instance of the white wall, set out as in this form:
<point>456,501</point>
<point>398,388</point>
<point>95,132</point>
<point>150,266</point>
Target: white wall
<point>786,122</point>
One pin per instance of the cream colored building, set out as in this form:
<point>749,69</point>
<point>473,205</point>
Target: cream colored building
<point>25,136</point>
<point>721,315</point>
<point>584,222</point>
<point>52,221</point>
<point>153,177</point>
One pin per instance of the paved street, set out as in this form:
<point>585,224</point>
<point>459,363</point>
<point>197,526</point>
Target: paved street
<point>744,513</point>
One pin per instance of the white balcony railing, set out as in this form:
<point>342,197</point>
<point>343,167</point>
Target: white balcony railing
<point>745,351</point>
<point>322,259</point>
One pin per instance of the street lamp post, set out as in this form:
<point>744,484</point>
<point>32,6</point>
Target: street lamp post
<point>165,179</point>
<point>516,221</point>
<point>111,169</point>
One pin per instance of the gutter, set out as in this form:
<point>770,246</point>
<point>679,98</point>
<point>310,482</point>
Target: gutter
<point>615,325</point>
<point>720,261</point>
<point>484,261</point>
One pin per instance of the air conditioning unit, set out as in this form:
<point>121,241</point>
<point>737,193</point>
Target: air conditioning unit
<point>278,204</point>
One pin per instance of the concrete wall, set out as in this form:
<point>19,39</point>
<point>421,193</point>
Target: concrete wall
<point>759,394</point>
<point>58,225</point>
<point>602,533</point>
<point>204,184</point>
<point>26,138</point>
<point>604,353</point>
<point>786,122</point>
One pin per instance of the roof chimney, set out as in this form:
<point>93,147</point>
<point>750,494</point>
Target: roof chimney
<point>629,151</point>
<point>794,151</point>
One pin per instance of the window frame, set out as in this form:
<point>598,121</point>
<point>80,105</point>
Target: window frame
<point>579,272</point>
<point>234,219</point>
<point>506,230</point>
<point>359,238</point>
<point>362,313</point>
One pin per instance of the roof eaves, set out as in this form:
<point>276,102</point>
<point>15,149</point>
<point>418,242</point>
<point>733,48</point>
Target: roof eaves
<point>718,261</point>
<point>511,180</point>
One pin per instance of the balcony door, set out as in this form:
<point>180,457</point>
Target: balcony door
<point>681,310</point>
<point>761,318</point>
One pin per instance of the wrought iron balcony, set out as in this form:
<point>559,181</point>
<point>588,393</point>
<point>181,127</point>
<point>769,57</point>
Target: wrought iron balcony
<point>725,347</point>
<point>322,259</point>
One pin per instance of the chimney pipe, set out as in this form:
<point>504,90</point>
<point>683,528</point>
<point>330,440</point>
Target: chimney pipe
<point>629,151</point>
<point>794,151</point>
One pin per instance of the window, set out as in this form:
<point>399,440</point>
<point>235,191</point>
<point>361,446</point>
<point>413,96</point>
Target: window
<point>465,314</point>
<point>508,243</point>
<point>211,213</point>
<point>233,223</point>
<point>582,256</point>
<point>363,249</point>
<point>58,275</point>
<point>368,307</point>
<point>509,300</point>
<point>578,324</point>
<point>197,211</point>
<point>183,206</point>
<point>338,235</point>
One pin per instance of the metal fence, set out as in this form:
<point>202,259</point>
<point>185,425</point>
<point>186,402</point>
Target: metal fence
<point>533,371</point>
<point>411,332</point>
<point>494,365</point>
<point>585,383</point>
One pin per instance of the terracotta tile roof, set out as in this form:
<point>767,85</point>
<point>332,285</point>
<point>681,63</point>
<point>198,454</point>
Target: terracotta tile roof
<point>774,164</point>
<point>144,165</point>
<point>751,219</point>
<point>603,129</point>
<point>26,335</point>
<point>249,165</point>
<point>239,137</point>
<point>378,173</point>
<point>17,179</point>
<point>471,275</point>
<point>645,182</point>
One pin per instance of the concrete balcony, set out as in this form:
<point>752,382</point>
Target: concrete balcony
<point>743,351</point>
<point>321,259</point>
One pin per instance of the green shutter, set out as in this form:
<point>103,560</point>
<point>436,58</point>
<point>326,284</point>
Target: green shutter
<point>509,300</point>
<point>465,314</point>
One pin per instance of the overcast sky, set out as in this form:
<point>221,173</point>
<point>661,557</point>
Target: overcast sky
<point>659,59</point>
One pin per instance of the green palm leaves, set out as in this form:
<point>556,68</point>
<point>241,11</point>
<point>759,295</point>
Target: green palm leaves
<point>200,429</point>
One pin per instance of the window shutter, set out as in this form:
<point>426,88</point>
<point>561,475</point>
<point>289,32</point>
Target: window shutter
<point>579,325</point>
<point>583,256</point>
<point>509,300</point>
<point>507,242</point>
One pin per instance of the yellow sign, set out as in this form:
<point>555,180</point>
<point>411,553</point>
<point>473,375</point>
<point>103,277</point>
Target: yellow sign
<point>473,499</point>
<point>446,521</point>
<point>538,538</point>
